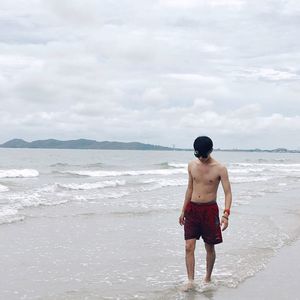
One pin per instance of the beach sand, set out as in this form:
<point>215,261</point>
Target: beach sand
<point>60,258</point>
<point>279,280</point>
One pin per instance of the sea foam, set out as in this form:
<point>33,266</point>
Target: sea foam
<point>177,165</point>
<point>125,173</point>
<point>9,215</point>
<point>18,173</point>
<point>161,182</point>
<point>249,179</point>
<point>92,185</point>
<point>3,188</point>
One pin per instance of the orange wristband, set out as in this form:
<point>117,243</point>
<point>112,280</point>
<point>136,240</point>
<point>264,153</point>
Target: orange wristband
<point>227,210</point>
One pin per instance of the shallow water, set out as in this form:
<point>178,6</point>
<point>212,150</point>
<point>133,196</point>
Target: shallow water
<point>92,224</point>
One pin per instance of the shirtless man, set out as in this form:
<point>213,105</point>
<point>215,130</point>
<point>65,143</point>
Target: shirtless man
<point>200,213</point>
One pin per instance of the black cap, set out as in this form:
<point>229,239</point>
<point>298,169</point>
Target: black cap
<point>203,146</point>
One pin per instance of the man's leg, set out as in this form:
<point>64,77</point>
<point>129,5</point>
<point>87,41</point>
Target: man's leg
<point>210,260</point>
<point>190,258</point>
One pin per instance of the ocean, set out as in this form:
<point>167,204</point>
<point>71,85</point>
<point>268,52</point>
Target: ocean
<point>103,224</point>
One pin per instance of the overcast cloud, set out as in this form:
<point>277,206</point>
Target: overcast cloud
<point>154,71</point>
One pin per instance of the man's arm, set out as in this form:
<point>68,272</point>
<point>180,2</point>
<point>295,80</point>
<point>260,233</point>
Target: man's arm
<point>228,196</point>
<point>188,195</point>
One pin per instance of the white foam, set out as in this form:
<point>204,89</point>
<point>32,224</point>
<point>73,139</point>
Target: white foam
<point>49,196</point>
<point>9,215</point>
<point>19,201</point>
<point>126,173</point>
<point>95,198</point>
<point>3,188</point>
<point>249,179</point>
<point>166,182</point>
<point>246,171</point>
<point>284,170</point>
<point>265,165</point>
<point>34,199</point>
<point>18,173</point>
<point>177,165</point>
<point>93,185</point>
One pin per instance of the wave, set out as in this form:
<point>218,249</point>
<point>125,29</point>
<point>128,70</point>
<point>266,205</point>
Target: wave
<point>265,165</point>
<point>59,193</point>
<point>94,165</point>
<point>246,171</point>
<point>163,165</point>
<point>284,170</point>
<point>265,160</point>
<point>3,188</point>
<point>171,165</point>
<point>59,165</point>
<point>48,196</point>
<point>178,165</point>
<point>18,173</point>
<point>249,179</point>
<point>91,186</point>
<point>9,215</point>
<point>125,173</point>
<point>165,182</point>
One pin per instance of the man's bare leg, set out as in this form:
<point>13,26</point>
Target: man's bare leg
<point>210,261</point>
<point>190,262</point>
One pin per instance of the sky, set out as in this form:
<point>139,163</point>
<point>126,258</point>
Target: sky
<point>154,71</point>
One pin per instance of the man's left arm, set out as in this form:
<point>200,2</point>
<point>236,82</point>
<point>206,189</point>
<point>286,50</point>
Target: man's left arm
<point>228,197</point>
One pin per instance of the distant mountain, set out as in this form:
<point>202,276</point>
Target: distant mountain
<point>82,144</point>
<point>92,144</point>
<point>15,143</point>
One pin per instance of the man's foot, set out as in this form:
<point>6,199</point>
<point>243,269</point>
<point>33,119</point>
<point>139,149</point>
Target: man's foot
<point>207,280</point>
<point>189,286</point>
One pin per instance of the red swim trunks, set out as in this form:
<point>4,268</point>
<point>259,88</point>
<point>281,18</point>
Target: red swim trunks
<point>202,219</point>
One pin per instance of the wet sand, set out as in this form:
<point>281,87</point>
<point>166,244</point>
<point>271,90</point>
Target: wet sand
<point>50,259</point>
<point>279,280</point>
<point>71,252</point>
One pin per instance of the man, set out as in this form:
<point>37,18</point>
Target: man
<point>200,213</point>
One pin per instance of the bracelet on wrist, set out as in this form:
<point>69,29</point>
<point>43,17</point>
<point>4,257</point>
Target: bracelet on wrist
<point>225,217</point>
<point>227,211</point>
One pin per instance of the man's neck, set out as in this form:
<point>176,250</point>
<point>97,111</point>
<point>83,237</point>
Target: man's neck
<point>207,161</point>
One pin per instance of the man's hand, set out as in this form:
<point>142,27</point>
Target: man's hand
<point>181,219</point>
<point>224,223</point>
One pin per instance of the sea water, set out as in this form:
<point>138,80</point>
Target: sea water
<point>99,224</point>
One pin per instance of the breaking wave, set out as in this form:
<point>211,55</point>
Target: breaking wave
<point>125,173</point>
<point>91,186</point>
<point>3,188</point>
<point>18,173</point>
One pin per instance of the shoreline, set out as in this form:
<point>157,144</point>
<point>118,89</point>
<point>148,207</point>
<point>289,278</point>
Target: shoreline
<point>64,229</point>
<point>279,280</point>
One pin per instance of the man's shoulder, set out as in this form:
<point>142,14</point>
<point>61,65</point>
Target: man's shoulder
<point>222,170</point>
<point>191,164</point>
<point>219,165</point>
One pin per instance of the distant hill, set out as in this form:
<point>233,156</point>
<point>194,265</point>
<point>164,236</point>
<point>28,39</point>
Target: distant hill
<point>92,144</point>
<point>82,144</point>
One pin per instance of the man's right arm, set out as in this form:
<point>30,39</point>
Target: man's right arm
<point>188,195</point>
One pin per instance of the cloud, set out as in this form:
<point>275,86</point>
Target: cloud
<point>199,78</point>
<point>269,74</point>
<point>154,71</point>
<point>195,3</point>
